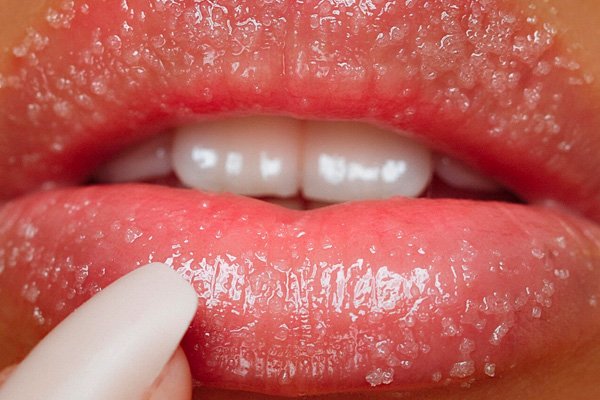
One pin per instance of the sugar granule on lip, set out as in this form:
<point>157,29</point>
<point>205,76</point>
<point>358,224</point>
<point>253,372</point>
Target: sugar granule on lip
<point>462,369</point>
<point>490,369</point>
<point>380,376</point>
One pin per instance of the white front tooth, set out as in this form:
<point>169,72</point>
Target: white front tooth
<point>151,159</point>
<point>461,176</point>
<point>350,161</point>
<point>255,156</point>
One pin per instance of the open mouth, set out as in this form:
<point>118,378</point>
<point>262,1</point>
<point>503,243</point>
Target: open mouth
<point>298,164</point>
<point>368,105</point>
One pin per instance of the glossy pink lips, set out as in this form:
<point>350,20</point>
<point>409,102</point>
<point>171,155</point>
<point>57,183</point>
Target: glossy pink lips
<point>387,295</point>
<point>397,294</point>
<point>489,83</point>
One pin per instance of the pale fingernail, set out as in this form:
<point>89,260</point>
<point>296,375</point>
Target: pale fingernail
<point>112,347</point>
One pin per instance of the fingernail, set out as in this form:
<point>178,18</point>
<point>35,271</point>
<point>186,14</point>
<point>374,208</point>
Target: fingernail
<point>114,346</point>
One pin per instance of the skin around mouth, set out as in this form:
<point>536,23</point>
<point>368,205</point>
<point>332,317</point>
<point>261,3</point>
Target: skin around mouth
<point>373,296</point>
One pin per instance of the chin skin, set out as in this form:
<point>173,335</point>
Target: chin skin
<point>571,374</point>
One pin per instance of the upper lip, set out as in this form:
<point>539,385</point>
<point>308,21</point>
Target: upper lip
<point>118,75</point>
<point>115,81</point>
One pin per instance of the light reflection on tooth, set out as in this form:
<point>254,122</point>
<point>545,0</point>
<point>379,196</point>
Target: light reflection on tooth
<point>350,161</point>
<point>461,176</point>
<point>255,156</point>
<point>149,160</point>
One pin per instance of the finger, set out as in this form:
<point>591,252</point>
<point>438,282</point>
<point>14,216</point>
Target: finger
<point>175,380</point>
<point>173,383</point>
<point>6,373</point>
<point>112,347</point>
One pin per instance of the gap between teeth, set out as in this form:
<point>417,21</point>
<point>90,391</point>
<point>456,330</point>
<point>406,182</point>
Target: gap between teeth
<point>284,157</point>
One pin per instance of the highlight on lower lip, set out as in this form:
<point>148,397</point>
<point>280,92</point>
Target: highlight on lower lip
<point>395,295</point>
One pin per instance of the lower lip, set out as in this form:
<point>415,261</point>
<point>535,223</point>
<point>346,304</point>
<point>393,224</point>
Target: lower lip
<point>395,295</point>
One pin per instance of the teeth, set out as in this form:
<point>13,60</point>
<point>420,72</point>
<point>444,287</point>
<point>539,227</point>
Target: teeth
<point>350,161</point>
<point>262,157</point>
<point>278,157</point>
<point>149,160</point>
<point>457,174</point>
<point>255,156</point>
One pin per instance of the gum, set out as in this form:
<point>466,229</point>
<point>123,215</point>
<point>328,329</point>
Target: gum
<point>478,80</point>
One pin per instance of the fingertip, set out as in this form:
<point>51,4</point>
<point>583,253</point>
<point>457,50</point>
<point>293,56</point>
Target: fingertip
<point>175,380</point>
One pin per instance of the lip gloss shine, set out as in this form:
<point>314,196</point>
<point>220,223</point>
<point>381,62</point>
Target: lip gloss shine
<point>389,295</point>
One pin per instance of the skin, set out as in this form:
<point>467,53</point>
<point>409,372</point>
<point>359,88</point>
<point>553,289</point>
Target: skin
<point>573,375</point>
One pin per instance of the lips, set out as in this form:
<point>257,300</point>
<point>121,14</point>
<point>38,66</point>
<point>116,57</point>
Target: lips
<point>400,294</point>
<point>411,293</point>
